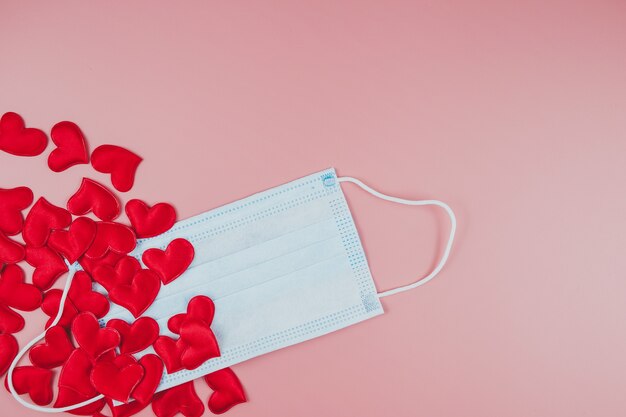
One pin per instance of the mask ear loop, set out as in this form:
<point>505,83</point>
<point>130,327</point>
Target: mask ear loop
<point>72,270</point>
<point>398,200</point>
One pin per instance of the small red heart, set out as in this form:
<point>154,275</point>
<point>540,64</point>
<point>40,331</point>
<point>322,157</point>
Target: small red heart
<point>75,373</point>
<point>89,336</point>
<point>68,397</point>
<point>171,263</point>
<point>12,202</point>
<point>75,241</point>
<point>17,294</point>
<point>153,370</point>
<point>71,147</point>
<point>137,296</point>
<point>95,197</point>
<point>111,236</point>
<point>84,298</point>
<point>199,307</point>
<point>50,306</point>
<point>91,264</point>
<point>227,388</point>
<point>55,351</point>
<point>150,221</point>
<point>42,218</point>
<point>117,161</point>
<point>10,321</point>
<point>200,341</point>
<point>11,252</point>
<point>36,382</point>
<point>8,351</point>
<point>49,266</point>
<point>118,378</point>
<point>137,336</point>
<point>122,273</point>
<point>19,140</point>
<point>170,351</point>
<point>179,399</point>
<point>124,410</point>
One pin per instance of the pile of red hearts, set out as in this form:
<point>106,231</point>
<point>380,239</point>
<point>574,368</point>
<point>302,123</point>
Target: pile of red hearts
<point>94,360</point>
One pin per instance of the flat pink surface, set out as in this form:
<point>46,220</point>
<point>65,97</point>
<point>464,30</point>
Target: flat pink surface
<point>513,114</point>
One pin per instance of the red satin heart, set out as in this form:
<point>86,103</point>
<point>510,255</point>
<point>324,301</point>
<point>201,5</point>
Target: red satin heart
<point>95,197</point>
<point>11,252</point>
<point>200,341</point>
<point>84,298</point>
<point>171,263</point>
<point>124,410</point>
<point>91,264</point>
<point>8,351</point>
<point>17,294</point>
<point>10,321</point>
<point>227,388</point>
<point>179,399</point>
<point>42,218</point>
<point>150,221</point>
<point>68,397</point>
<point>50,306</point>
<point>153,370</point>
<point>117,161</point>
<point>111,236</point>
<point>56,349</point>
<point>75,374</point>
<point>89,336</point>
<point>36,382</point>
<point>122,273</point>
<point>170,351</point>
<point>118,378</point>
<point>71,147</point>
<point>12,202</point>
<point>199,307</point>
<point>49,266</point>
<point>137,296</point>
<point>137,336</point>
<point>19,140</point>
<point>74,242</point>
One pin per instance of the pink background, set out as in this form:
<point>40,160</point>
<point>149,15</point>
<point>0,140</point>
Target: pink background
<point>512,113</point>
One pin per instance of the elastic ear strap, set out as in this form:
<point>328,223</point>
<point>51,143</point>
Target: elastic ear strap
<point>68,283</point>
<point>438,203</point>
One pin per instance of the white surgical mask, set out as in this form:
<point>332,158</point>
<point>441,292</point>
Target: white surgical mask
<point>282,266</point>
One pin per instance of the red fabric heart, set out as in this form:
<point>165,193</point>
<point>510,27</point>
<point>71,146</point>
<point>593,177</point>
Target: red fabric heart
<point>17,294</point>
<point>10,321</point>
<point>111,236</point>
<point>50,306</point>
<point>153,370</point>
<point>137,296</point>
<point>49,266</point>
<point>118,378</point>
<point>36,382</point>
<point>12,202</point>
<point>8,351</point>
<point>68,397</point>
<point>11,252</point>
<point>170,351</point>
<point>171,263</point>
<point>19,140</point>
<point>91,264</point>
<point>179,399</point>
<point>74,242</point>
<point>56,349</point>
<point>150,221</point>
<point>71,147</point>
<point>200,307</point>
<point>227,388</point>
<point>137,336</point>
<point>75,374</point>
<point>89,336</point>
<point>42,218</point>
<point>117,161</point>
<point>95,197</point>
<point>122,273</point>
<point>200,341</point>
<point>84,298</point>
<point>124,410</point>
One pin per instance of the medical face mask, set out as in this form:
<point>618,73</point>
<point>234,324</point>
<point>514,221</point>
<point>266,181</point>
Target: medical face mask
<point>282,266</point>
